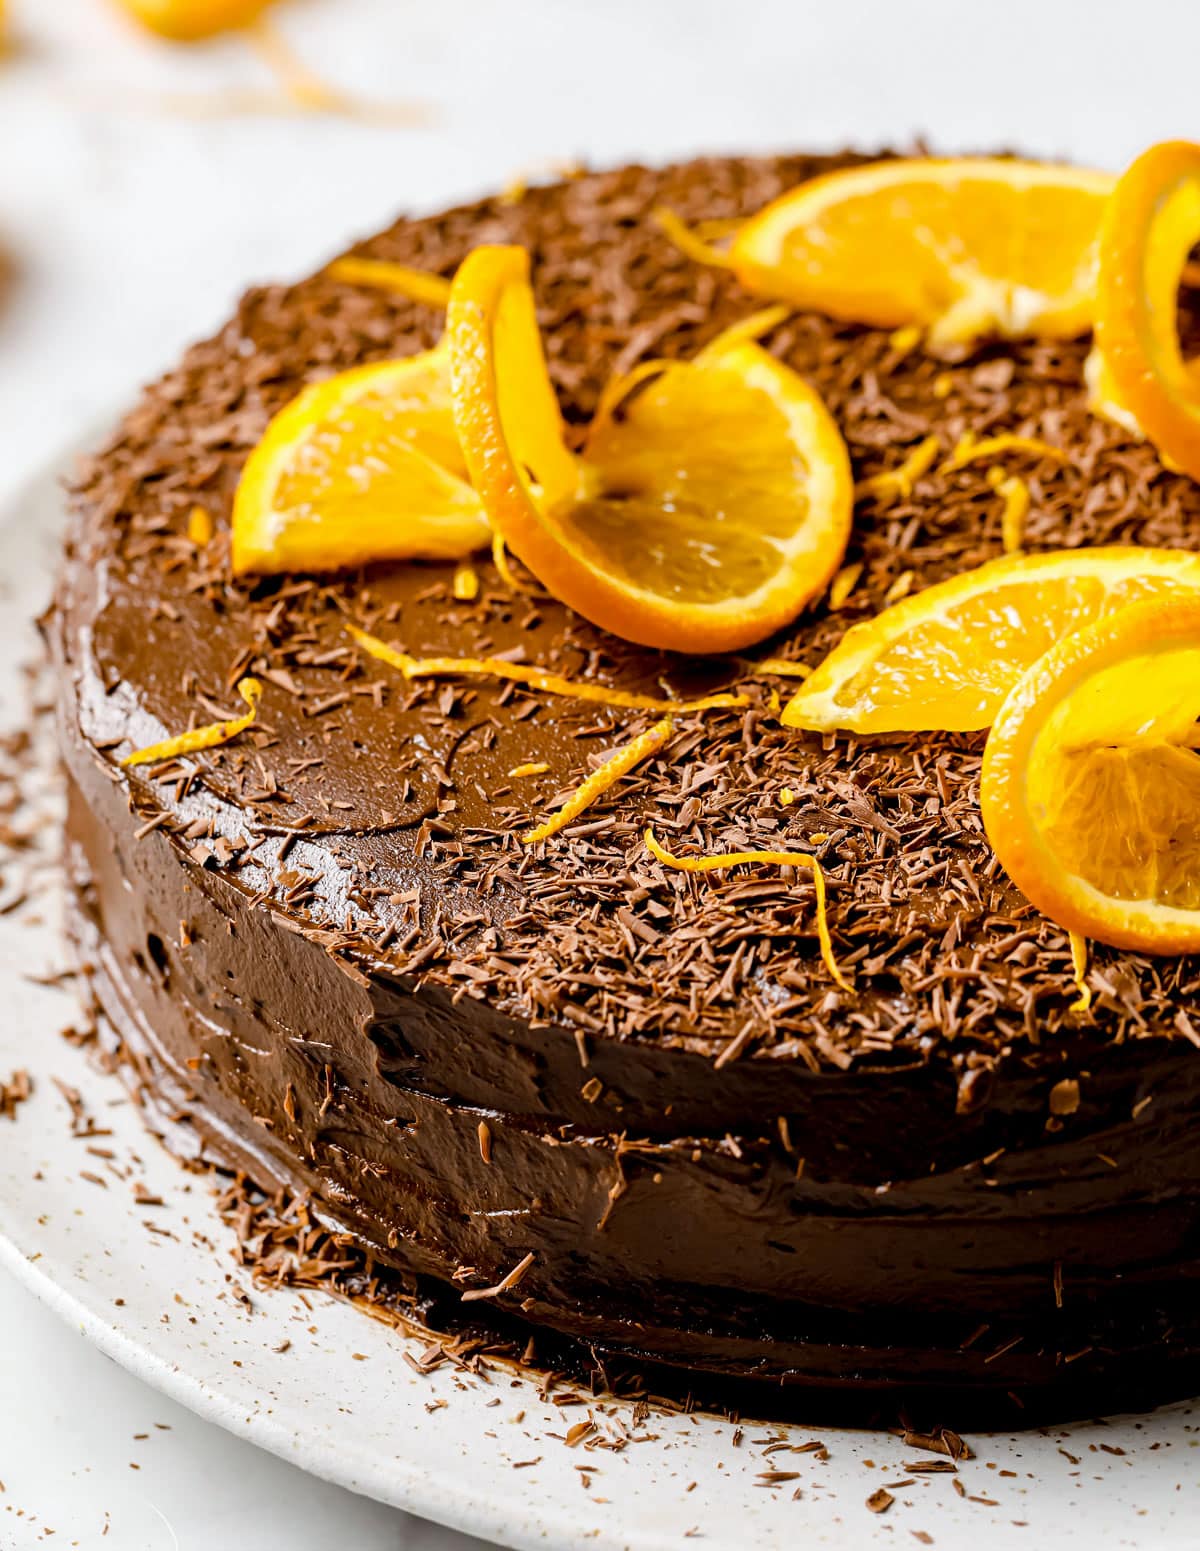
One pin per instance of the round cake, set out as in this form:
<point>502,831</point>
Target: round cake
<point>625,1103</point>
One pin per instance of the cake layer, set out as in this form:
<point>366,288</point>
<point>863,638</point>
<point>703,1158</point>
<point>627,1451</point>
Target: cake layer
<point>327,946</point>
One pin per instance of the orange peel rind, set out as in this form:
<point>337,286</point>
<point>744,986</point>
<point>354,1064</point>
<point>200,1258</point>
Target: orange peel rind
<point>897,484</point>
<point>1079,966</point>
<point>418,285</point>
<point>537,678</point>
<point>1091,784</point>
<point>619,763</point>
<point>780,667</point>
<point>1139,376</point>
<point>975,450</point>
<point>200,738</point>
<point>701,519</point>
<point>465,583</point>
<point>724,859</point>
<point>200,526</point>
<point>1014,492</point>
<point>689,242</point>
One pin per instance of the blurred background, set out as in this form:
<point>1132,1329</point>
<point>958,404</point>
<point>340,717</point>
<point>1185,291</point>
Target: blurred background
<point>144,184</point>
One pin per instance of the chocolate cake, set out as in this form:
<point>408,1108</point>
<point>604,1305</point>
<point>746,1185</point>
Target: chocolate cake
<point>621,1102</point>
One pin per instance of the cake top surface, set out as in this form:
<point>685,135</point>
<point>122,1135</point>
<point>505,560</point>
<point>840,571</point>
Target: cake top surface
<point>382,816</point>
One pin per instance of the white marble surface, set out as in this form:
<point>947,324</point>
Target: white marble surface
<point>131,226</point>
<point>91,1457</point>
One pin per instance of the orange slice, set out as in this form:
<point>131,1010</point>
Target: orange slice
<point>186,20</point>
<point>1104,397</point>
<point>1150,227</point>
<point>366,466</point>
<point>962,248</point>
<point>1091,785</point>
<point>702,517</point>
<point>945,658</point>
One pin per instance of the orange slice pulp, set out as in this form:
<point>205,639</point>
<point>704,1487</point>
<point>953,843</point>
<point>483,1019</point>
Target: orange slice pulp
<point>1091,783</point>
<point>365,466</point>
<point>944,659</point>
<point>704,513</point>
<point>962,248</point>
<point>186,20</point>
<point>1138,372</point>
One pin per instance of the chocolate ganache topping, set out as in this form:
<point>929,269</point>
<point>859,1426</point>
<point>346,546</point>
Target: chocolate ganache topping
<point>332,963</point>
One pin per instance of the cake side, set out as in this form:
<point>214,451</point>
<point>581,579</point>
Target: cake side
<point>330,949</point>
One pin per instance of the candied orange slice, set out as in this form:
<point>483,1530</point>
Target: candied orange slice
<point>186,20</point>
<point>366,466</point>
<point>1091,782</point>
<point>945,658</point>
<point>962,248</point>
<point>705,512</point>
<point>1138,373</point>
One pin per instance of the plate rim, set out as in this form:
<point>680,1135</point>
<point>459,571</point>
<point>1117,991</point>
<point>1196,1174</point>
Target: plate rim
<point>520,1518</point>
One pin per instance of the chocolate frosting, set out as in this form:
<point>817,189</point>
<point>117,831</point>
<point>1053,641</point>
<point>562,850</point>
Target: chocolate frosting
<point>329,956</point>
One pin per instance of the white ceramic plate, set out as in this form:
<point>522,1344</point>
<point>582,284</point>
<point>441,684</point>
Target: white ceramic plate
<point>152,1286</point>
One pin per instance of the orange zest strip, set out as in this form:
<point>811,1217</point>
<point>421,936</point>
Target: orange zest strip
<point>904,340</point>
<point>781,666</point>
<point>1148,231</point>
<point>1016,508</point>
<point>419,285</point>
<point>725,859</point>
<point>686,240</point>
<point>900,588</point>
<point>199,527</point>
<point>534,678</point>
<point>500,560</point>
<point>844,584</point>
<point>752,327</point>
<point>897,483</point>
<point>202,737</point>
<point>618,764</point>
<point>540,768</point>
<point>466,582</point>
<point>726,225</point>
<point>1079,964</point>
<point>971,451</point>
<point>617,389</point>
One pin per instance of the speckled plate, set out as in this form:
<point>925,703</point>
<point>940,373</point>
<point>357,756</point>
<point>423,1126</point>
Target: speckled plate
<point>156,1288</point>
